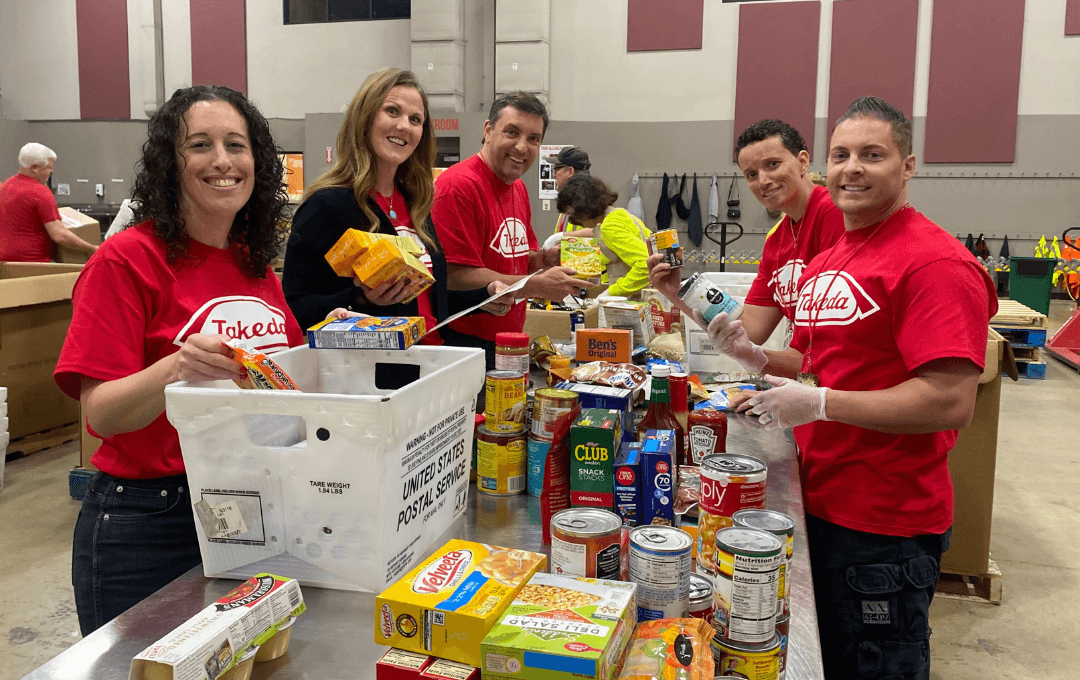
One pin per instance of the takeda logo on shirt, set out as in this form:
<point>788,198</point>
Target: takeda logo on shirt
<point>785,282</point>
<point>511,239</point>
<point>833,299</point>
<point>239,317</point>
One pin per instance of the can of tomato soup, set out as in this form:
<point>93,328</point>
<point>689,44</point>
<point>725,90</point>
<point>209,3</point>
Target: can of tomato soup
<point>783,527</point>
<point>660,565</point>
<point>744,590</point>
<point>742,660</point>
<point>729,482</point>
<point>500,462</point>
<point>701,600</point>
<point>504,401</point>
<point>586,542</point>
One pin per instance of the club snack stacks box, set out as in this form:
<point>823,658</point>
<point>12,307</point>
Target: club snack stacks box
<point>447,604</point>
<point>604,344</point>
<point>583,256</point>
<point>657,472</point>
<point>561,627</point>
<point>367,332</point>
<point>212,641</point>
<point>594,442</point>
<point>376,259</point>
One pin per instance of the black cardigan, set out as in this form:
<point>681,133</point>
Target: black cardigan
<point>311,287</point>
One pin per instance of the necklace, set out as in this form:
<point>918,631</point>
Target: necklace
<point>389,207</point>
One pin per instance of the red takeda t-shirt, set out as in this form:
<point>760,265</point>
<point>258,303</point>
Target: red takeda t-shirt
<point>132,307</point>
<point>884,302</point>
<point>790,247</point>
<point>25,206</point>
<point>484,222</point>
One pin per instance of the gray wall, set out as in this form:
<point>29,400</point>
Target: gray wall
<point>13,134</point>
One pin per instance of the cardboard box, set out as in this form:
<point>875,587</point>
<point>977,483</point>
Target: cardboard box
<point>657,473</point>
<point>35,312</point>
<point>972,463</point>
<point>555,324</point>
<point>583,255</point>
<point>400,664</point>
<point>367,332</point>
<point>444,669</point>
<point>83,226</point>
<point>604,344</point>
<point>637,316</point>
<point>380,258</point>
<point>595,438</point>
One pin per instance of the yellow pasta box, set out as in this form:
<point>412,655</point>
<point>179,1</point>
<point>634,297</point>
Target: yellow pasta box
<point>446,605</point>
<point>584,256</point>
<point>378,258</point>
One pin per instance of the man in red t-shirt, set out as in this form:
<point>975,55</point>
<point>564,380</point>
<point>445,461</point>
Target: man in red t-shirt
<point>889,344</point>
<point>30,223</point>
<point>484,221</point>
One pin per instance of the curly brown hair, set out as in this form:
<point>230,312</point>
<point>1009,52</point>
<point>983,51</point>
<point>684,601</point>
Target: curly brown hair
<point>157,181</point>
<point>586,196</point>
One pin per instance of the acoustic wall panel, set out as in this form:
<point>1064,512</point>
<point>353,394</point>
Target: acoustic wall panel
<point>1072,17</point>
<point>886,29</point>
<point>668,25</point>
<point>219,43</point>
<point>776,75</point>
<point>974,89</point>
<point>104,81</point>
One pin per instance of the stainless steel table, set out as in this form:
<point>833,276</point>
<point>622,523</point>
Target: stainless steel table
<point>334,638</point>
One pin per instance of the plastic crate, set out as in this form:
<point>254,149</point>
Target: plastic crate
<point>78,481</point>
<point>340,486</point>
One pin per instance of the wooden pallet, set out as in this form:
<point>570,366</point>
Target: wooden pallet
<point>1014,314</point>
<point>985,588</point>
<point>46,439</point>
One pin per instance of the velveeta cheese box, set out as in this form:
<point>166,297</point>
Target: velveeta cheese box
<point>446,605</point>
<point>367,332</point>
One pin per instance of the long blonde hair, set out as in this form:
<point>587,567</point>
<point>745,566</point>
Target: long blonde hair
<point>355,166</point>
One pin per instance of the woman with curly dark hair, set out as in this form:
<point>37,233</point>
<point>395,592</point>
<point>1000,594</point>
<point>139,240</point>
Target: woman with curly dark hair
<point>155,305</point>
<point>381,182</point>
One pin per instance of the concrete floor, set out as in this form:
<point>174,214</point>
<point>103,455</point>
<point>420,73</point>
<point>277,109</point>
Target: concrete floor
<point>1034,542</point>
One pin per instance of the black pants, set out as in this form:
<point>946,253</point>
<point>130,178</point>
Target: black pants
<point>873,596</point>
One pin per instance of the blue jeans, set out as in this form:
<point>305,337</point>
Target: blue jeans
<point>132,538</point>
<point>873,596</point>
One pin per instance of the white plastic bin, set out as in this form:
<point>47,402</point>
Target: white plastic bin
<point>341,486</point>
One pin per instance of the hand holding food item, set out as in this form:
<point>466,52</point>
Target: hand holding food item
<point>584,256</point>
<point>262,372</point>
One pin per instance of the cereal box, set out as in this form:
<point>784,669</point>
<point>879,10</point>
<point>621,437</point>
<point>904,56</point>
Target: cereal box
<point>367,332</point>
<point>583,256</point>
<point>446,605</point>
<point>657,473</point>
<point>594,440</point>
<point>562,627</point>
<point>628,484</point>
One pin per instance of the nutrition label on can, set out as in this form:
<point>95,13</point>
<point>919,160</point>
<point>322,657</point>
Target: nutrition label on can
<point>745,598</point>
<point>663,583</point>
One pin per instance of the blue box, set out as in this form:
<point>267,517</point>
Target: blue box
<point>628,484</point>
<point>657,473</point>
<point>602,396</point>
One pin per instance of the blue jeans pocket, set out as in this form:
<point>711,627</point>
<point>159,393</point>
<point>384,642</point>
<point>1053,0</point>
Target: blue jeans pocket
<point>128,503</point>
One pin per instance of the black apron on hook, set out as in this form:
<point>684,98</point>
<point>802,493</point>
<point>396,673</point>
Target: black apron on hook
<point>969,243</point>
<point>663,208</point>
<point>1003,277</point>
<point>693,222</point>
<point>680,207</point>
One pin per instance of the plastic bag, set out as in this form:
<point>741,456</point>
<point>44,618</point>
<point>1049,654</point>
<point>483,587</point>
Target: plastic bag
<point>669,649</point>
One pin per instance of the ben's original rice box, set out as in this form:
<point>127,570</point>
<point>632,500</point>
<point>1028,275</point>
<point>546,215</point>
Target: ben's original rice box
<point>212,641</point>
<point>446,605</point>
<point>583,256</point>
<point>367,332</point>
<point>604,344</point>
<point>561,627</point>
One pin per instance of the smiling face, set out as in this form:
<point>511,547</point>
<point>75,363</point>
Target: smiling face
<point>776,177</point>
<point>398,127</point>
<point>868,176</point>
<point>217,169</point>
<point>512,143</point>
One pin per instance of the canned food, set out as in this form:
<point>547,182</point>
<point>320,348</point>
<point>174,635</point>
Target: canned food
<point>780,525</point>
<point>504,394</point>
<point>659,562</point>
<point>536,460</point>
<point>742,660</point>
<point>586,542</point>
<point>706,297</point>
<point>706,433</point>
<point>729,482</point>
<point>701,600</point>
<point>666,241</point>
<point>744,591</point>
<point>548,405</point>
<point>500,462</point>
<point>782,625</point>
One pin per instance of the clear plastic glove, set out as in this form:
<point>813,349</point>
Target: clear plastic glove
<point>553,240</point>
<point>788,404</point>
<point>731,339</point>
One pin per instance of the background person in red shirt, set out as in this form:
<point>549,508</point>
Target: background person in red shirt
<point>30,222</point>
<point>155,306</point>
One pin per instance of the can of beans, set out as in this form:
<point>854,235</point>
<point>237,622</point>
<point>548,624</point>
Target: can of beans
<point>586,542</point>
<point>742,660</point>
<point>729,482</point>
<point>536,460</point>
<point>701,600</point>
<point>782,626</point>
<point>659,562</point>
<point>500,462</point>
<point>783,527</point>
<point>504,394</point>
<point>548,405</point>
<point>744,590</point>
<point>706,433</point>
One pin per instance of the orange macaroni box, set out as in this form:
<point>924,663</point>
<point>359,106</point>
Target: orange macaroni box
<point>604,344</point>
<point>367,332</point>
<point>262,372</point>
<point>385,262</point>
<point>446,605</point>
<point>354,242</point>
<point>398,664</point>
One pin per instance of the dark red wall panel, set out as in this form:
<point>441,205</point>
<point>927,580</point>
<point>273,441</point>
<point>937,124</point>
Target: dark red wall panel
<point>777,68</point>
<point>667,25</point>
<point>219,43</point>
<point>886,29</point>
<point>974,81</point>
<point>1072,17</point>
<point>104,83</point>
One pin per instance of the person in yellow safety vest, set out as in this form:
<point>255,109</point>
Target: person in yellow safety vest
<point>570,161</point>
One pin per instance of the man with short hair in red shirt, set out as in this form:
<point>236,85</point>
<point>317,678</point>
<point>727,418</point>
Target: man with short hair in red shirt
<point>30,223</point>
